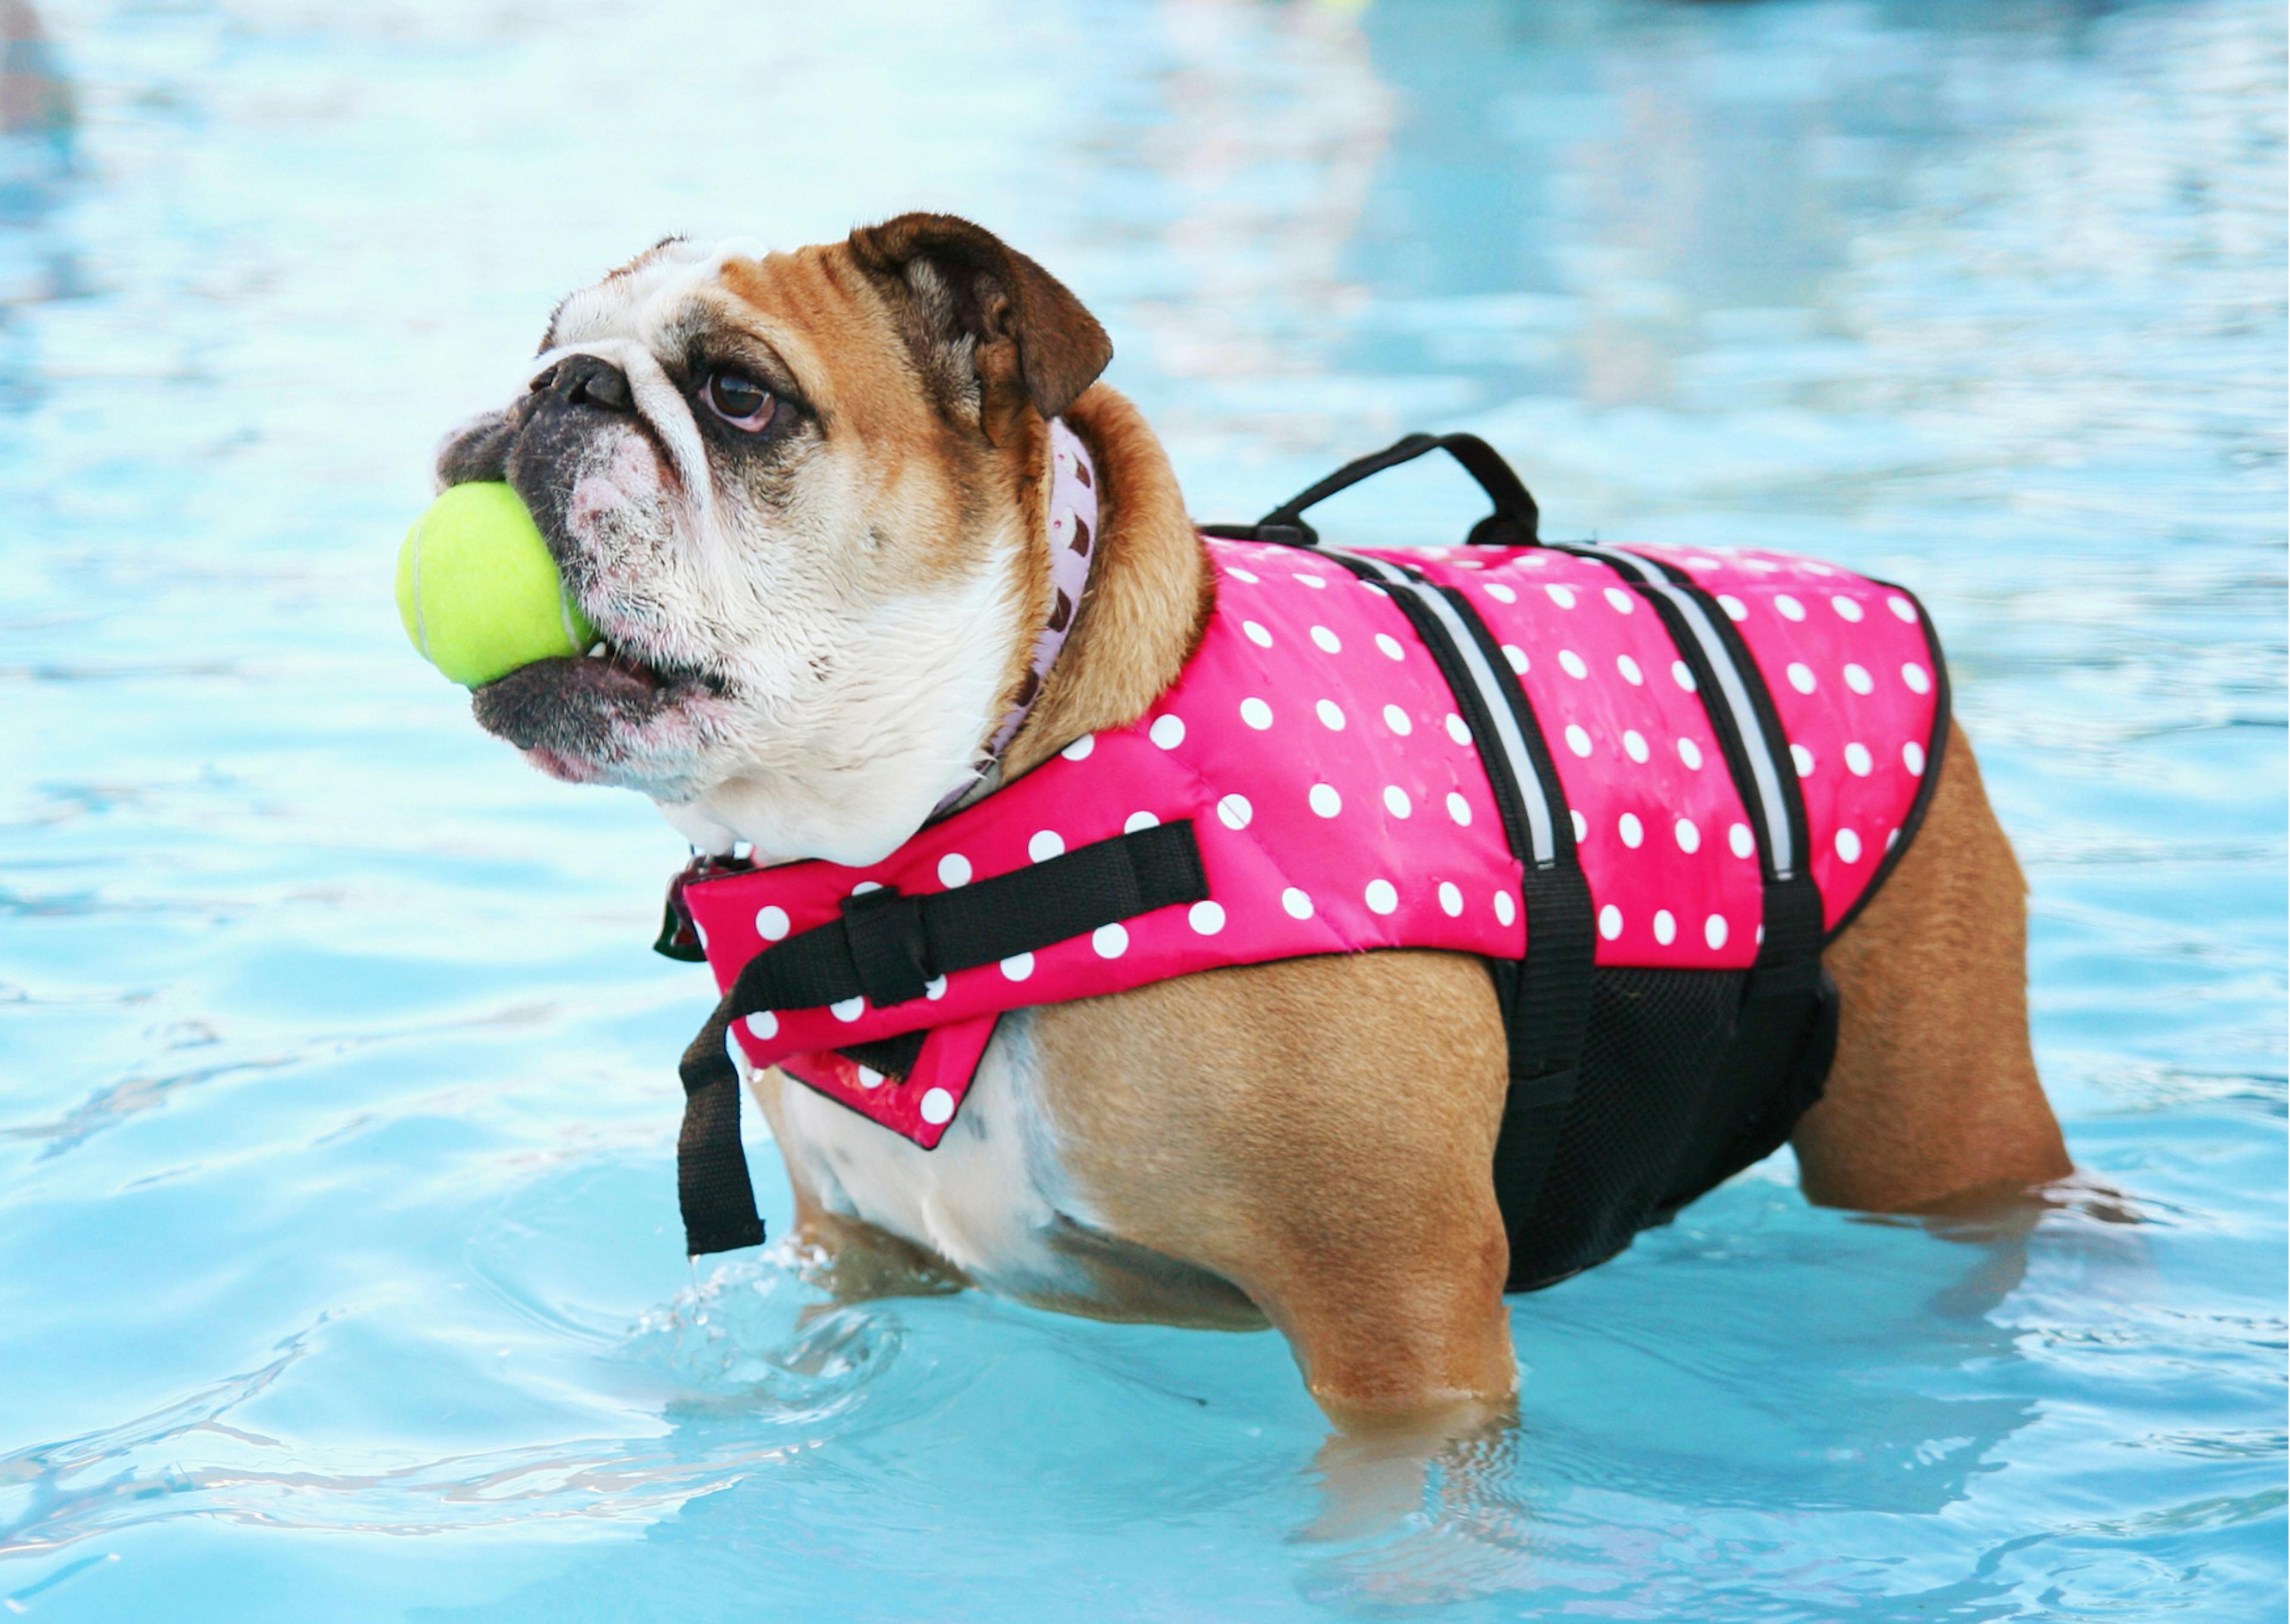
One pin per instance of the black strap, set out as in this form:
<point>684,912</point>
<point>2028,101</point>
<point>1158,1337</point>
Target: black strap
<point>712,1187</point>
<point>1545,998</point>
<point>1512,523</point>
<point>886,948</point>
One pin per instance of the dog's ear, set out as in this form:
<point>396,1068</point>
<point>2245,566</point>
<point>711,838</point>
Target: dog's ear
<point>994,330</point>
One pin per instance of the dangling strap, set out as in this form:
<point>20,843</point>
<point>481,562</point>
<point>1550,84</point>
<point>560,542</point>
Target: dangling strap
<point>712,1187</point>
<point>886,948</point>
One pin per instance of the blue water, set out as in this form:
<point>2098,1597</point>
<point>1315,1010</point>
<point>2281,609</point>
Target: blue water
<point>339,1276</point>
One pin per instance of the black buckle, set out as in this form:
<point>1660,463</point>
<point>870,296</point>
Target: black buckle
<point>889,948</point>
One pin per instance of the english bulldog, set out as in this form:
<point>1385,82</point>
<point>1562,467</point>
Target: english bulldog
<point>801,496</point>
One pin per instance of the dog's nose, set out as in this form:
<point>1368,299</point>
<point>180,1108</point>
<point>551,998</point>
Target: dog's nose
<point>585,379</point>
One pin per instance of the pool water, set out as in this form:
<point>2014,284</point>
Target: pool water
<point>340,1272</point>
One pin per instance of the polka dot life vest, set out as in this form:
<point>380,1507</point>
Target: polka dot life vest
<point>1645,784</point>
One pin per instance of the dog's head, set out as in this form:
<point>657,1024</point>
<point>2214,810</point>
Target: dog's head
<point>794,493</point>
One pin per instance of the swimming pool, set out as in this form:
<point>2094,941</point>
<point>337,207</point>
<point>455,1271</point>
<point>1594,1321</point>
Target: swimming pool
<point>338,1249</point>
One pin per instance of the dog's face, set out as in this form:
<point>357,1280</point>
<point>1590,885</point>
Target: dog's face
<point>796,494</point>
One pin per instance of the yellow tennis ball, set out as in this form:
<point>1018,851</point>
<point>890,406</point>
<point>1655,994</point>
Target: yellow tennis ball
<point>478,592</point>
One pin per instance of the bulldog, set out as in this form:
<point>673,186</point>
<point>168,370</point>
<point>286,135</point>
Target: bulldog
<point>803,496</point>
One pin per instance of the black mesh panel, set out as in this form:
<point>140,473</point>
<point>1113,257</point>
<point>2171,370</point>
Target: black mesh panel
<point>1670,1103</point>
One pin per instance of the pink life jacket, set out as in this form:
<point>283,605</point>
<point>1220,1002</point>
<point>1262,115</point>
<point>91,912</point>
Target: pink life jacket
<point>1580,764</point>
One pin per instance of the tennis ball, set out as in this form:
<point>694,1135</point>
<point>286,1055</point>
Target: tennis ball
<point>478,592</point>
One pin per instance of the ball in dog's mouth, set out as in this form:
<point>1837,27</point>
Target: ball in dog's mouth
<point>580,718</point>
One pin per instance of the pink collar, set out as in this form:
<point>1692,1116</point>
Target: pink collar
<point>1073,542</point>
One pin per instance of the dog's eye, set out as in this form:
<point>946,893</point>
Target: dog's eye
<point>738,400</point>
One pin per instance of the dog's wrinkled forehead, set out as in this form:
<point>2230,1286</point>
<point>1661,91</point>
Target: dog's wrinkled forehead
<point>638,299</point>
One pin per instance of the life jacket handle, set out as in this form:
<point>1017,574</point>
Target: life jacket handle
<point>1513,524</point>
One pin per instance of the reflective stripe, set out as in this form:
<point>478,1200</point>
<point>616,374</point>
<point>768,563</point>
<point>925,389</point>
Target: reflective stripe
<point>1492,694</point>
<point>1720,656</point>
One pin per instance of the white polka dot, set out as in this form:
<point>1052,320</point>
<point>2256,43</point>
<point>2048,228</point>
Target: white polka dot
<point>1858,759</point>
<point>934,989</point>
<point>1582,826</point>
<point>1324,800</point>
<point>1256,713</point>
<point>1800,676</point>
<point>1517,656</point>
<point>1610,922</point>
<point>1918,679</point>
<point>1813,567</point>
<point>1080,749</point>
<point>1330,714</point>
<point>1577,740</point>
<point>1206,919</point>
<point>1396,719</point>
<point>1902,610</point>
<point>1296,904</point>
<point>1847,608</point>
<point>1681,675</point>
<point>1564,597</point>
<point>1381,899</point>
<point>1700,562</point>
<point>1713,932</point>
<point>1240,574</point>
<point>937,1106</point>
<point>1632,831</point>
<point>1848,845</point>
<point>869,1077</point>
<point>1458,729</point>
<point>1451,899</point>
<point>1735,608</point>
<point>849,1009</point>
<point>1742,843</point>
<point>1690,753</point>
<point>1689,835</point>
<point>1912,758</point>
<point>1506,910</point>
<point>1501,593</point>
<point>1234,811</point>
<point>700,931</point>
<point>763,1023</point>
<point>1018,966</point>
<point>1665,926</point>
<point>1622,602</point>
<point>1138,821</point>
<point>1804,759</point>
<point>1327,640</point>
<point>1111,941</point>
<point>1313,582</point>
<point>864,887</point>
<point>1630,669</point>
<point>1892,838</point>
<point>952,870</point>
<point>1045,844</point>
<point>1396,801</point>
<point>1256,634</point>
<point>1634,746</point>
<point>1792,609</point>
<point>1167,732</point>
<point>1857,678</point>
<point>1459,809</point>
<point>771,923</point>
<point>1570,662</point>
<point>1389,644</point>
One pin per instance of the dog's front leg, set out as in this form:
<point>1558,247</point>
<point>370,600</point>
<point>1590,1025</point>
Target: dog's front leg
<point>1317,1132</point>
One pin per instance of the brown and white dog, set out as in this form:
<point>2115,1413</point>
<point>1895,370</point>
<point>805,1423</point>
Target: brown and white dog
<point>801,496</point>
